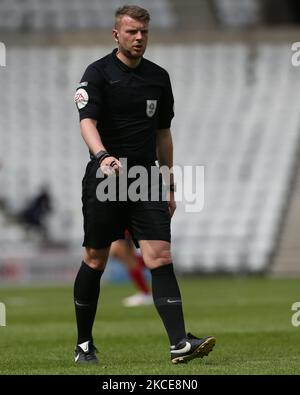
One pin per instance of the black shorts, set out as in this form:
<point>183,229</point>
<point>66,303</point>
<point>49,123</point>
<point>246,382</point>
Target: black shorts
<point>106,221</point>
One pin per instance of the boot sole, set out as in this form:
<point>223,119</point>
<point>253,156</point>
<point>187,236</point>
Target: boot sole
<point>201,351</point>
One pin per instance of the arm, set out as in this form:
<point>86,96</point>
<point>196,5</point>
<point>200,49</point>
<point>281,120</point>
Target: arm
<point>91,136</point>
<point>92,139</point>
<point>88,99</point>
<point>164,150</point>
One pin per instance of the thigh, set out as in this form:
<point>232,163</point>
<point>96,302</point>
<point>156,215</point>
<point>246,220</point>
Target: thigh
<point>150,220</point>
<point>104,221</point>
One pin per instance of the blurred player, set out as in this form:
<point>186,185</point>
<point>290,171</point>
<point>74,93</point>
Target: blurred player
<point>124,251</point>
<point>125,104</point>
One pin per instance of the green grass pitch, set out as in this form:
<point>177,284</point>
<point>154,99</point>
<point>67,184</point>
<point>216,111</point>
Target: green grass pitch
<point>250,318</point>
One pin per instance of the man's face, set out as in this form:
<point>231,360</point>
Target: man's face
<point>132,36</point>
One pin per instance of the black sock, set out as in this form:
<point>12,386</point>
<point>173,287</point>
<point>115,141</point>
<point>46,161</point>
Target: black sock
<point>167,300</point>
<point>86,294</point>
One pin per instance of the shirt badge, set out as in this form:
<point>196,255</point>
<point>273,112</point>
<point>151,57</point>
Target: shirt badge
<point>81,98</point>
<point>151,107</point>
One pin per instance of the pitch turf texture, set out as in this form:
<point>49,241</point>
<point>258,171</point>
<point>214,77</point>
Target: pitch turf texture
<point>250,318</point>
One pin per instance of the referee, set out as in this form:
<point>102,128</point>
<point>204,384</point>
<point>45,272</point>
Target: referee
<point>125,105</point>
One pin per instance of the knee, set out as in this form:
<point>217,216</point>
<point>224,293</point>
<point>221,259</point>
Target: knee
<point>157,258</point>
<point>96,259</point>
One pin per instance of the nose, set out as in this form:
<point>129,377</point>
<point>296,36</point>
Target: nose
<point>139,35</point>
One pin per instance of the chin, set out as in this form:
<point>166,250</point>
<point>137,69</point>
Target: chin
<point>135,55</point>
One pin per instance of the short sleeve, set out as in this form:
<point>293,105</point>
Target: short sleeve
<point>166,106</point>
<point>88,96</point>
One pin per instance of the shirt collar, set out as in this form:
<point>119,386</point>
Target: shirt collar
<point>122,65</point>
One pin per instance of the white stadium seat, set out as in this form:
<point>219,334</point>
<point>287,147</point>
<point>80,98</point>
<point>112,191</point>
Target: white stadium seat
<point>236,115</point>
<point>74,15</point>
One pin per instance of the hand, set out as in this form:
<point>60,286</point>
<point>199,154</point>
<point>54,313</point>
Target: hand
<point>110,166</point>
<point>171,202</point>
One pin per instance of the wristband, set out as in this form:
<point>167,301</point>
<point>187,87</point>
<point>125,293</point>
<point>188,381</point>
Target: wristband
<point>172,187</point>
<point>101,155</point>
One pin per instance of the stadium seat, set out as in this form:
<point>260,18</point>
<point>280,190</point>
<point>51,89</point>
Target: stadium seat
<point>74,15</point>
<point>227,119</point>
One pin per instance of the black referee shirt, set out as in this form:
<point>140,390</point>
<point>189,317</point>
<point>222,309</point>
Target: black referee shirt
<point>129,105</point>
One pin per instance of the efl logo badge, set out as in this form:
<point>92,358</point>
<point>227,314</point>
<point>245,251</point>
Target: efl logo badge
<point>151,107</point>
<point>81,98</point>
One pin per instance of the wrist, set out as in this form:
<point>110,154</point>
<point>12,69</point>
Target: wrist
<point>101,155</point>
<point>172,187</point>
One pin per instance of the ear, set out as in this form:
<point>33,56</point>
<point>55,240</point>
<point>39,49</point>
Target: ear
<point>115,35</point>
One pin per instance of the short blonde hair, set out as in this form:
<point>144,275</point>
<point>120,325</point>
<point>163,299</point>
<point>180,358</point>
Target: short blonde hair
<point>134,11</point>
